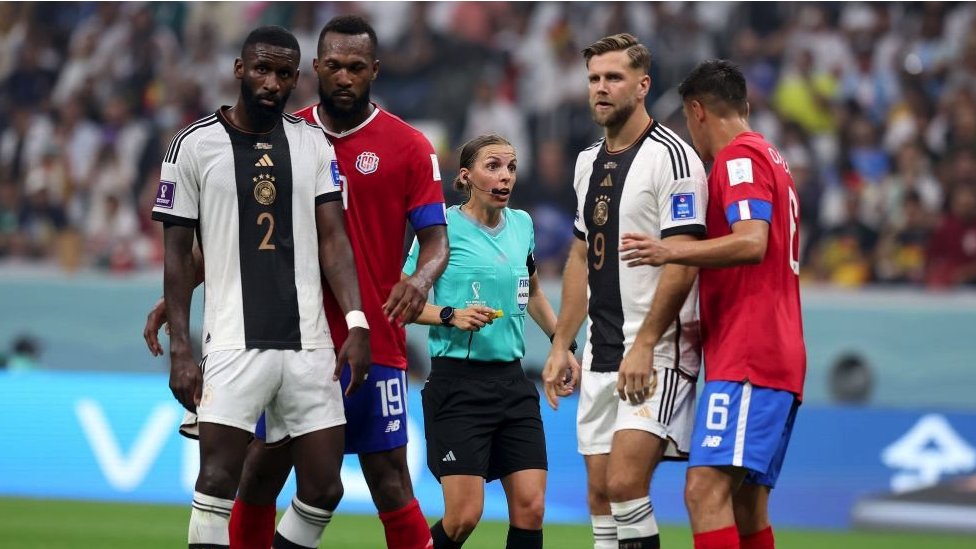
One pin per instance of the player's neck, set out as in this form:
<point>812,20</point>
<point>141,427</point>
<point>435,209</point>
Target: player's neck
<point>725,130</point>
<point>239,117</point>
<point>623,136</point>
<point>341,123</point>
<point>488,216</point>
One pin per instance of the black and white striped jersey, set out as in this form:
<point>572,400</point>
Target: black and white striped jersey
<point>252,199</point>
<point>657,187</point>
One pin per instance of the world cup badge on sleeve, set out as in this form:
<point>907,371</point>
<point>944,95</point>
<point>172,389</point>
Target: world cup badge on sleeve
<point>165,194</point>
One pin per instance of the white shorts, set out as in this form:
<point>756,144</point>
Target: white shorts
<point>294,388</point>
<point>668,414</point>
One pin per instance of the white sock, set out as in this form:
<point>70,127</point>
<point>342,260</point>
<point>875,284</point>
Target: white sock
<point>303,524</point>
<point>604,532</point>
<point>634,518</point>
<point>208,520</point>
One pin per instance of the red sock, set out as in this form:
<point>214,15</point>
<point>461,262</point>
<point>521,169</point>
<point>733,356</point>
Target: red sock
<point>251,526</point>
<point>406,528</point>
<point>762,539</point>
<point>726,538</point>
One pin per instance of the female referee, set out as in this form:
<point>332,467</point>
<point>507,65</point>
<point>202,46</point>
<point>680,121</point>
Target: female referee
<point>481,414</point>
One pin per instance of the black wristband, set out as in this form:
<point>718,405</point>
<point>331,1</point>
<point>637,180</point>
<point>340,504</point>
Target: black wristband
<point>572,345</point>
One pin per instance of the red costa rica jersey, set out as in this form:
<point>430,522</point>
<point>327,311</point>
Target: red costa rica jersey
<point>750,314</point>
<point>389,176</point>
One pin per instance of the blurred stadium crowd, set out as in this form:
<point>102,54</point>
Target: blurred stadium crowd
<point>873,105</point>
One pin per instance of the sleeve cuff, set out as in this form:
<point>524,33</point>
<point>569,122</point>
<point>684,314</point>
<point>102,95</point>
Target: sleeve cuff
<point>579,234</point>
<point>427,215</point>
<point>175,220</point>
<point>696,230</point>
<point>328,197</point>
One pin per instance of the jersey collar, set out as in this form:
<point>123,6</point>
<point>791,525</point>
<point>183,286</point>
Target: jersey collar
<point>315,115</point>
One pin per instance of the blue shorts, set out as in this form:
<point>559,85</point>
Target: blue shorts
<point>376,414</point>
<point>741,425</point>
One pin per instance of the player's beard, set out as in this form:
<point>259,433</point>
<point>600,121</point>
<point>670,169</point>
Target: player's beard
<point>262,115</point>
<point>356,109</point>
<point>617,117</point>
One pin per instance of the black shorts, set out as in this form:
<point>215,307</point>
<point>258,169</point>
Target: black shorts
<point>482,419</point>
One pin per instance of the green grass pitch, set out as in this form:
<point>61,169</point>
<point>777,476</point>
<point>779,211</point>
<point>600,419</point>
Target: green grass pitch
<point>44,524</point>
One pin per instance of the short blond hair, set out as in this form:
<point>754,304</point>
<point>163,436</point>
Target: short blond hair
<point>640,56</point>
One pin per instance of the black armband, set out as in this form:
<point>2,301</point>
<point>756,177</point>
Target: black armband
<point>572,345</point>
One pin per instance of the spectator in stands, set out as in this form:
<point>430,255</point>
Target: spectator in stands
<point>951,254</point>
<point>901,249</point>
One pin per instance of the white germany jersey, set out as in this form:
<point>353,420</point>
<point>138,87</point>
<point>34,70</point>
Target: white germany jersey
<point>252,199</point>
<point>656,187</point>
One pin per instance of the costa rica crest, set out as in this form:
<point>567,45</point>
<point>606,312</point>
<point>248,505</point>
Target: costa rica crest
<point>367,162</point>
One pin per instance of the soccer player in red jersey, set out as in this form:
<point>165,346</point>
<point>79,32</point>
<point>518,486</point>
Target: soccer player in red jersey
<point>390,177</point>
<point>752,331</point>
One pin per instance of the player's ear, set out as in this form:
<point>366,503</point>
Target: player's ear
<point>238,68</point>
<point>376,69</point>
<point>698,109</point>
<point>645,86</point>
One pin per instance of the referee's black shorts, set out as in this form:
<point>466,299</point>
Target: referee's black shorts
<point>482,419</point>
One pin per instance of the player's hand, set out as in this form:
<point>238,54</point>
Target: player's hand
<point>186,381</point>
<point>643,250</point>
<point>354,354</point>
<point>406,301</point>
<point>473,318</point>
<point>560,376</point>
<point>155,320</point>
<point>636,379</point>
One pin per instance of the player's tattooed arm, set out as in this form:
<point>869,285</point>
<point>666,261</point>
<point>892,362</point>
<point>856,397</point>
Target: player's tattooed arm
<point>339,267</point>
<point>408,297</point>
<point>185,378</point>
<point>156,318</point>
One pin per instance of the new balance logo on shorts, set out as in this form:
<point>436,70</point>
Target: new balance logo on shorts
<point>393,426</point>
<point>449,456</point>
<point>712,441</point>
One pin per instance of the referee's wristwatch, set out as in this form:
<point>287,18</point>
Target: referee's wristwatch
<point>447,315</point>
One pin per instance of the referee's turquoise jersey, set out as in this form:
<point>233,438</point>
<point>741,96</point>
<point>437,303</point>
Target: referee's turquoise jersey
<point>488,266</point>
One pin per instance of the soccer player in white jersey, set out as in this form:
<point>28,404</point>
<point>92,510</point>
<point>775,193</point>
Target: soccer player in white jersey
<point>642,352</point>
<point>261,190</point>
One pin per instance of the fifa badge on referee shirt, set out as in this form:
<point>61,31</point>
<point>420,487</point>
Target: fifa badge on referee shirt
<point>264,189</point>
<point>601,212</point>
<point>475,295</point>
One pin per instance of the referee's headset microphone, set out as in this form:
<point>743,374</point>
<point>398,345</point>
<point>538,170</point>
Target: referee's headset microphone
<point>493,191</point>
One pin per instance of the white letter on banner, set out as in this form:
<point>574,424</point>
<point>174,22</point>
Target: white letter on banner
<point>122,473</point>
<point>929,450</point>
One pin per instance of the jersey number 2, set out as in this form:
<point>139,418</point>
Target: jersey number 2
<point>266,241</point>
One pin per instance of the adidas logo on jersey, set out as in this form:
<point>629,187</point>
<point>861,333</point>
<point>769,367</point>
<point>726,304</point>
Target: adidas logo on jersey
<point>607,181</point>
<point>264,162</point>
<point>712,441</point>
<point>643,412</point>
<point>392,426</point>
<point>449,456</point>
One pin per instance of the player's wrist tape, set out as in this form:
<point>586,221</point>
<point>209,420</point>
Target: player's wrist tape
<point>572,345</point>
<point>356,319</point>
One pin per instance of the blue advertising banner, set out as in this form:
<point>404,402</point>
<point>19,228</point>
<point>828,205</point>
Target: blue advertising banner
<point>111,436</point>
